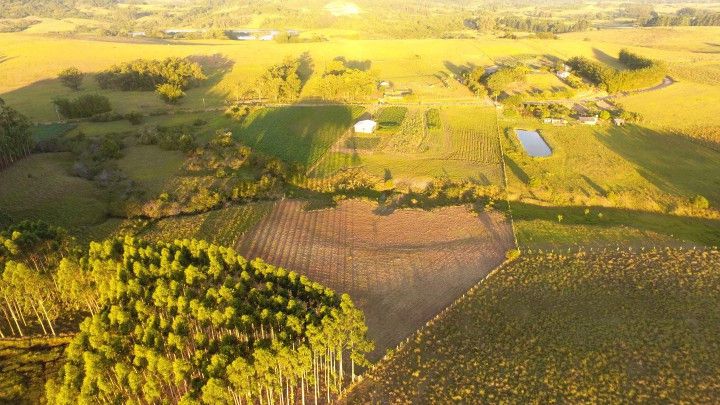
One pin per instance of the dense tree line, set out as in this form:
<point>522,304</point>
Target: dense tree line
<point>189,322</point>
<point>641,72</point>
<point>529,24</point>
<point>686,16</point>
<point>15,138</point>
<point>169,77</point>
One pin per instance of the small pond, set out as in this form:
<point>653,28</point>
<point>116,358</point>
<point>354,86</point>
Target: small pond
<point>533,143</point>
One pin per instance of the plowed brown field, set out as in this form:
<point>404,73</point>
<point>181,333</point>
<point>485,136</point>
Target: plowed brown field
<point>400,269</point>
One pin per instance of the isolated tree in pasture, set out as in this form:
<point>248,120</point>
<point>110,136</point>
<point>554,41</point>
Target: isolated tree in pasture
<point>71,78</point>
<point>15,139</point>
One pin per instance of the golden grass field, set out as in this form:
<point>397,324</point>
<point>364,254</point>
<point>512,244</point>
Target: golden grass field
<point>30,63</point>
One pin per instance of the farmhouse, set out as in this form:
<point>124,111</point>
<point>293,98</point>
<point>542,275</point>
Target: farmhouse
<point>619,121</point>
<point>365,127</point>
<point>589,120</point>
<point>563,75</point>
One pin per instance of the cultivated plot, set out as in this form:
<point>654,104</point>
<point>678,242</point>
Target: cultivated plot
<point>400,269</point>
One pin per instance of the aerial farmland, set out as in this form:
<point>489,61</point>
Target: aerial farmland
<point>371,201</point>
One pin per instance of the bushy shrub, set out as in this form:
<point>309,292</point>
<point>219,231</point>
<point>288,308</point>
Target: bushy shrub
<point>170,93</point>
<point>83,106</point>
<point>134,117</point>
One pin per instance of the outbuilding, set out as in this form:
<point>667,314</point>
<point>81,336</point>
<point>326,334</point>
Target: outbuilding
<point>589,120</point>
<point>365,127</point>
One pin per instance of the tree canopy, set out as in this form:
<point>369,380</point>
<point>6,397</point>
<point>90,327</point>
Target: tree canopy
<point>15,139</point>
<point>147,75</point>
<point>190,322</point>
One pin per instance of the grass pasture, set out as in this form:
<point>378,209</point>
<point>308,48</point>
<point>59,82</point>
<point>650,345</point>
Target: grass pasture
<point>50,131</point>
<point>587,327</point>
<point>42,188</point>
<point>151,166</point>
<point>631,167</point>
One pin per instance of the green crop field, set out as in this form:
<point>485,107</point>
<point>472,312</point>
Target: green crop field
<point>609,327</point>
<point>297,134</point>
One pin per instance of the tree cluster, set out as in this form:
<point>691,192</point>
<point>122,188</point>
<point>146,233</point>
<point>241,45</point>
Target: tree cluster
<point>189,322</point>
<point>684,17</point>
<point>280,82</point>
<point>84,106</point>
<point>220,172</point>
<point>528,24</point>
<point>641,72</point>
<point>71,78</point>
<point>15,138</point>
<point>496,82</point>
<point>342,81</point>
<point>169,77</point>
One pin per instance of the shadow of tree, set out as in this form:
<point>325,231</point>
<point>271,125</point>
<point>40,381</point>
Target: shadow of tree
<point>306,67</point>
<point>673,164</point>
<point>296,134</point>
<point>517,170</point>
<point>688,229</point>
<point>605,58</point>
<point>363,65</point>
<point>459,71</point>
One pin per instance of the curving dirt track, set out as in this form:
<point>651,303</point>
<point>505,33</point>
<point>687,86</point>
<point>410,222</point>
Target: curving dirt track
<point>400,269</point>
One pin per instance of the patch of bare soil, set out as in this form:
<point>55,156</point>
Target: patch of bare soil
<point>401,269</point>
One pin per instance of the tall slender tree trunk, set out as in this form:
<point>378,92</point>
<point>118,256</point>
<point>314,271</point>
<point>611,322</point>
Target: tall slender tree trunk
<point>17,324</point>
<point>19,311</point>
<point>47,317</point>
<point>7,318</point>
<point>302,387</point>
<point>38,318</point>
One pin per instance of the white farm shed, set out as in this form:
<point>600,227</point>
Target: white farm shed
<point>365,127</point>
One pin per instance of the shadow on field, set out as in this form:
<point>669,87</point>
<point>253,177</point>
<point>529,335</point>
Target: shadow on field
<point>296,134</point>
<point>605,58</point>
<point>673,164</point>
<point>363,65</point>
<point>459,71</point>
<point>696,230</point>
<point>4,58</point>
<point>517,170</point>
<point>215,67</point>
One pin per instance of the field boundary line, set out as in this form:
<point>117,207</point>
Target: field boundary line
<point>505,180</point>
